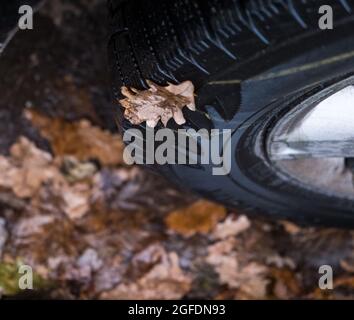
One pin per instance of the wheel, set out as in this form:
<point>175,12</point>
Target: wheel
<point>261,69</point>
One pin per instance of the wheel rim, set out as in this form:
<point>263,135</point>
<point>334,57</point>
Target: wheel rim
<point>314,142</point>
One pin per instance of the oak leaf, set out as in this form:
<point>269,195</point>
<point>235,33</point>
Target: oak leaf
<point>158,103</point>
<point>27,169</point>
<point>79,139</point>
<point>165,280</point>
<point>231,227</point>
<point>200,217</point>
<point>249,277</point>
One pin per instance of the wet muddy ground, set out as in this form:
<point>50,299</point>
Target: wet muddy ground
<point>91,227</point>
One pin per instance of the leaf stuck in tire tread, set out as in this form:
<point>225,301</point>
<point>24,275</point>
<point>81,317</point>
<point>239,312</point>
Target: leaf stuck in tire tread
<point>158,103</point>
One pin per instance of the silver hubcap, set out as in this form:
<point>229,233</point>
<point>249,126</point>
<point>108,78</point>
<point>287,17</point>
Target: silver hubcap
<point>313,142</point>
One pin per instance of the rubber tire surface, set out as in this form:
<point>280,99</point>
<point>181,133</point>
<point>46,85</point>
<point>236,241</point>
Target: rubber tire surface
<point>250,61</point>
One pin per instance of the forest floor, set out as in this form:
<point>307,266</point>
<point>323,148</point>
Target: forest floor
<point>92,227</point>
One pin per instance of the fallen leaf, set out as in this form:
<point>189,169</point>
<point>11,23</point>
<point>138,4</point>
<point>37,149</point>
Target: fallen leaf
<point>89,262</point>
<point>280,262</point>
<point>286,284</point>
<point>27,227</point>
<point>165,280</point>
<point>158,103</point>
<point>27,169</point>
<point>79,139</point>
<point>250,278</point>
<point>254,288</point>
<point>290,227</point>
<point>344,281</point>
<point>343,288</point>
<point>200,217</point>
<point>223,258</point>
<point>76,200</point>
<point>133,189</point>
<point>231,227</point>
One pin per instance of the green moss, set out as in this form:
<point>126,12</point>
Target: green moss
<point>9,279</point>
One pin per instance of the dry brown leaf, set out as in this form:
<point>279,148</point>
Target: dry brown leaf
<point>79,139</point>
<point>346,281</point>
<point>158,103</point>
<point>76,200</point>
<point>340,286</point>
<point>8,171</point>
<point>27,169</point>
<point>223,258</point>
<point>286,284</point>
<point>290,227</point>
<point>81,269</point>
<point>249,278</point>
<point>165,280</point>
<point>202,216</point>
<point>231,227</point>
<point>89,262</point>
<point>280,262</point>
<point>31,226</point>
<point>254,288</point>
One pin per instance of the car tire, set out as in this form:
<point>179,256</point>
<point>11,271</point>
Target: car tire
<point>250,61</point>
